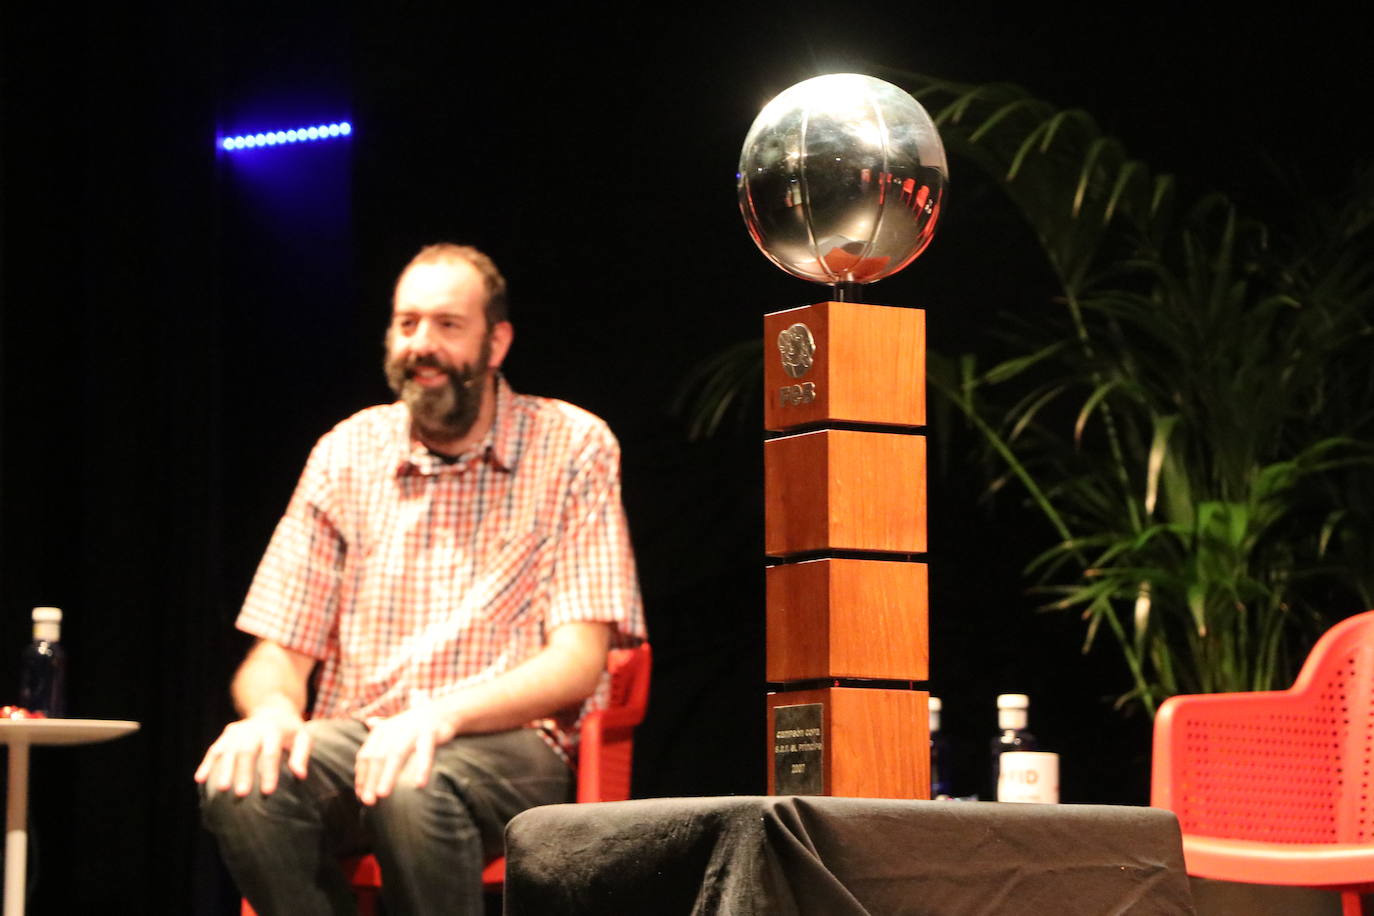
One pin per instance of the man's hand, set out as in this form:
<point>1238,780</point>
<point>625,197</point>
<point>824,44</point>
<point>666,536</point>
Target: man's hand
<point>402,745</point>
<point>254,745</point>
<point>269,691</point>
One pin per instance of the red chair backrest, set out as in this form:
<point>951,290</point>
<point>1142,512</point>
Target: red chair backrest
<point>606,751</point>
<point>1290,766</point>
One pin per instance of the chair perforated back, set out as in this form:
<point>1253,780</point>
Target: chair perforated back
<point>1289,766</point>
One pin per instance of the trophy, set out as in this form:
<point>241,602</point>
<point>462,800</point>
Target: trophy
<point>841,181</point>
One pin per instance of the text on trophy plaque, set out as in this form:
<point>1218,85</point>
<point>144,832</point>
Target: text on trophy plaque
<point>798,749</point>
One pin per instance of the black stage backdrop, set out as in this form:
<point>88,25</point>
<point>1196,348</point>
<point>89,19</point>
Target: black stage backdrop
<point>177,326</point>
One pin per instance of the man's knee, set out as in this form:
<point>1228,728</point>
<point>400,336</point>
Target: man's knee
<point>429,822</point>
<point>430,807</point>
<point>223,812</point>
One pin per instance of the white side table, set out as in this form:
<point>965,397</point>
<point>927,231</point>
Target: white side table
<point>19,735</point>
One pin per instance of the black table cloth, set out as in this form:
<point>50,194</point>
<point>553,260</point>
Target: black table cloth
<point>843,857</point>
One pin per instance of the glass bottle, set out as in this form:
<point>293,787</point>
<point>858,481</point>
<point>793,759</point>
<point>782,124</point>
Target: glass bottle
<point>940,757</point>
<point>43,668</point>
<point>1012,715</point>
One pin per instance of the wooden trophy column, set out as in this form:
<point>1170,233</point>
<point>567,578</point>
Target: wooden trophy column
<point>845,516</point>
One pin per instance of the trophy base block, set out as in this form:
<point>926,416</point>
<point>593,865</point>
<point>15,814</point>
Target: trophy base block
<point>847,618</point>
<point>856,742</point>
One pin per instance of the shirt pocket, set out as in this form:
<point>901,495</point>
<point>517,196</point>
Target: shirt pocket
<point>512,580</point>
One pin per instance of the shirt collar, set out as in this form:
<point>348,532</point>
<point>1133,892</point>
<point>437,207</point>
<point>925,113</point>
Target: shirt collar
<point>500,446</point>
<point>504,435</point>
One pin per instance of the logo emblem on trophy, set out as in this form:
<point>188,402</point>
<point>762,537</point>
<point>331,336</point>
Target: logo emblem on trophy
<point>796,346</point>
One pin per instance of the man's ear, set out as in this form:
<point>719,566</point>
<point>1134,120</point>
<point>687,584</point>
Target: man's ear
<point>501,337</point>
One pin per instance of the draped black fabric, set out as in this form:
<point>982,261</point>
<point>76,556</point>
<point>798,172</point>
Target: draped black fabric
<point>808,856</point>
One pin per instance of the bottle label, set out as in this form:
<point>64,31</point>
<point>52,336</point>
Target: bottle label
<point>1028,776</point>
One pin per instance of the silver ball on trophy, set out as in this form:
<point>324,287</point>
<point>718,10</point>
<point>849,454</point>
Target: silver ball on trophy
<point>841,179</point>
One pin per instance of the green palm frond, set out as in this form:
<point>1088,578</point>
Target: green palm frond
<point>1222,394</point>
<point>720,385</point>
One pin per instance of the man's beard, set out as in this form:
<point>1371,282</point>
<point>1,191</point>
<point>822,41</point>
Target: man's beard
<point>446,412</point>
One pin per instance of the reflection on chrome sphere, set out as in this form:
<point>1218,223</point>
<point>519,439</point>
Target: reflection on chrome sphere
<point>841,178</point>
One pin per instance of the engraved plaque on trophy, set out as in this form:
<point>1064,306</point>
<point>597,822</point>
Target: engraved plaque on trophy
<point>840,182</point>
<point>798,749</point>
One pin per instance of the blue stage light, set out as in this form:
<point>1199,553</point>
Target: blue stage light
<point>283,137</point>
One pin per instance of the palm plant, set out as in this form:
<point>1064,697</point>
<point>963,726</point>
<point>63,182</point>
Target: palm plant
<point>1193,414</point>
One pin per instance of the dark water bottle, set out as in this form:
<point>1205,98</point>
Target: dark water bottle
<point>1012,714</point>
<point>43,670</point>
<point>941,785</point>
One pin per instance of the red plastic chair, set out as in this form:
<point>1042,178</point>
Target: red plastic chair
<point>605,755</point>
<point>1273,787</point>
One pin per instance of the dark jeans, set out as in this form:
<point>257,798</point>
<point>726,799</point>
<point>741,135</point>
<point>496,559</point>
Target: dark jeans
<point>283,849</point>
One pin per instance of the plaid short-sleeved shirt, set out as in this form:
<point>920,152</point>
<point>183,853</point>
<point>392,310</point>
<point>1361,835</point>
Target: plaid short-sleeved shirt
<point>409,577</point>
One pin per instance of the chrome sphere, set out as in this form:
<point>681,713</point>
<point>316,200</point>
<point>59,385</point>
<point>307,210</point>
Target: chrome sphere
<point>841,178</point>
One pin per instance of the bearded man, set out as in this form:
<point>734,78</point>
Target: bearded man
<point>451,571</point>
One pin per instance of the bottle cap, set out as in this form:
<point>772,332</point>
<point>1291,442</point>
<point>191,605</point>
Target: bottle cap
<point>933,704</point>
<point>1013,701</point>
<point>47,623</point>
